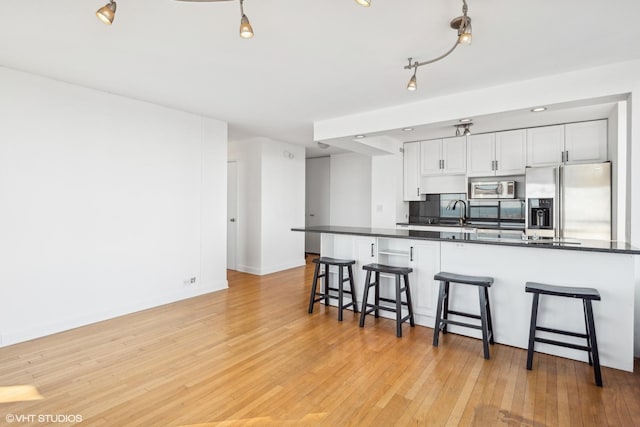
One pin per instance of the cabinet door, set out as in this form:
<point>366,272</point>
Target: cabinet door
<point>430,156</point>
<point>545,145</point>
<point>480,155</point>
<point>454,155</point>
<point>586,142</point>
<point>511,155</point>
<point>411,173</point>
<point>425,261</point>
<point>365,252</point>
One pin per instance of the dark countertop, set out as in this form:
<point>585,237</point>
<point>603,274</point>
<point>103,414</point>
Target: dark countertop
<point>502,226</point>
<point>488,239</point>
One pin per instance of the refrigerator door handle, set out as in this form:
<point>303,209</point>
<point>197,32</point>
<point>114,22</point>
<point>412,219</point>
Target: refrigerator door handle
<point>560,208</point>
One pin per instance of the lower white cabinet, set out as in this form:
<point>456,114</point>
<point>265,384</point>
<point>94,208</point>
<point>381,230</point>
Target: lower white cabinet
<point>424,258</point>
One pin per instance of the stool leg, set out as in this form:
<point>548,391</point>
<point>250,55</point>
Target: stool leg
<point>594,344</point>
<point>314,286</point>
<point>485,322</point>
<point>377,294</point>
<point>353,290</point>
<point>327,283</point>
<point>436,329</point>
<point>409,301</point>
<point>586,327</point>
<point>486,293</point>
<point>445,315</point>
<point>340,293</point>
<point>398,308</point>
<point>365,298</point>
<point>532,330</point>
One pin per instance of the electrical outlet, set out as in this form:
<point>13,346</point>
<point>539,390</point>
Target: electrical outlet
<point>192,280</point>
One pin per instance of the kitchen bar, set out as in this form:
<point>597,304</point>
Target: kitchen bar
<point>605,265</point>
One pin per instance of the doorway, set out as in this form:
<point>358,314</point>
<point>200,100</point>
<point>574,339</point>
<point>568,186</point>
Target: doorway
<point>232,214</point>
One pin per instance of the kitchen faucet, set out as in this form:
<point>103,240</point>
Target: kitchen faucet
<point>463,211</point>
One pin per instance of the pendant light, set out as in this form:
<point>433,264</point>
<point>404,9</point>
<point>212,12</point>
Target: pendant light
<point>246,32</point>
<point>107,12</point>
<point>365,3</point>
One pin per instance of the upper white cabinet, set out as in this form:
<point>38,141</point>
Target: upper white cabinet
<point>584,142</point>
<point>497,154</point>
<point>446,156</point>
<point>411,178</point>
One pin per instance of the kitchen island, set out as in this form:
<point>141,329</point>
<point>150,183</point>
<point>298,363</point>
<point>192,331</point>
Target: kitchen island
<point>606,266</point>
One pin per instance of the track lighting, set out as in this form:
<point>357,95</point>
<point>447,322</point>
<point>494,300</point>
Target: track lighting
<point>246,32</point>
<point>365,3</point>
<point>413,82</point>
<point>462,24</point>
<point>463,129</point>
<point>107,12</point>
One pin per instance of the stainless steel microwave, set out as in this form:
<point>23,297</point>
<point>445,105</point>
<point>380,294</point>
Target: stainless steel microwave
<point>492,190</point>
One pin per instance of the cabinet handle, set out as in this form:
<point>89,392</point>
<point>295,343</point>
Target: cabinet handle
<point>411,254</point>
<point>566,157</point>
<point>496,165</point>
<point>372,250</point>
<point>493,165</point>
<point>417,191</point>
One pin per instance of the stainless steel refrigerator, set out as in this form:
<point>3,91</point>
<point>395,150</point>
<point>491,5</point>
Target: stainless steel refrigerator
<point>569,201</point>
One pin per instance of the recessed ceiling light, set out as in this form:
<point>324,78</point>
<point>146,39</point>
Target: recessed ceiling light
<point>407,129</point>
<point>538,109</point>
<point>360,136</point>
<point>465,120</point>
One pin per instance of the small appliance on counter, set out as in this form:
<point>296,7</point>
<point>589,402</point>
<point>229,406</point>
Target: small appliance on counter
<point>569,201</point>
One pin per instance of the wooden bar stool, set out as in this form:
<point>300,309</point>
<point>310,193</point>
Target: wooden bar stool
<point>587,295</point>
<point>325,294</point>
<point>443,312</point>
<point>398,272</point>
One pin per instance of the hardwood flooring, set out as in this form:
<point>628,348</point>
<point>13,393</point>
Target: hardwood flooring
<point>251,355</point>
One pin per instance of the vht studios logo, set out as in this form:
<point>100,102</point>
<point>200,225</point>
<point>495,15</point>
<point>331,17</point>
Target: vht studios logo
<point>43,418</point>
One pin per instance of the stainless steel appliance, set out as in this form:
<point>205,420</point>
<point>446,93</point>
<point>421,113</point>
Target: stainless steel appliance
<point>569,201</point>
<point>492,190</point>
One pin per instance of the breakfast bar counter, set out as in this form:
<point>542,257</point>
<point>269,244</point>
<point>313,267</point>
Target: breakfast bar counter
<point>511,261</point>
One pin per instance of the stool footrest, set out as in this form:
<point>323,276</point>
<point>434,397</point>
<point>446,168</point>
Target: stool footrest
<point>563,344</point>
<point>558,331</point>
<point>460,313</point>
<point>380,307</point>
<point>453,322</point>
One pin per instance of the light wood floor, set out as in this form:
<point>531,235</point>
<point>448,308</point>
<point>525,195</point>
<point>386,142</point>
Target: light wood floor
<point>251,355</point>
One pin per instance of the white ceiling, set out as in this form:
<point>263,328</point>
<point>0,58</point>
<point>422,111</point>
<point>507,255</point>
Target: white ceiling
<point>309,60</point>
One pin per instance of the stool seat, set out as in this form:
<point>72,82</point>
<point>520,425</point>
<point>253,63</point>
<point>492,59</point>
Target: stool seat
<point>461,278</point>
<point>562,291</point>
<point>443,312</point>
<point>390,269</point>
<point>333,261</point>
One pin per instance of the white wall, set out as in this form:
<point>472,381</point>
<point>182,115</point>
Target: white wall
<point>606,81</point>
<point>318,199</point>
<point>271,183</point>
<point>108,205</point>
<point>350,190</point>
<point>387,205</point>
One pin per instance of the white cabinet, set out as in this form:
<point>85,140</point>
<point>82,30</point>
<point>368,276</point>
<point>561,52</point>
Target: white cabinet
<point>497,154</point>
<point>446,156</point>
<point>584,142</point>
<point>424,258</point>
<point>411,172</point>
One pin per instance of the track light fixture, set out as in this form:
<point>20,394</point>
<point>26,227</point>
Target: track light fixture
<point>365,3</point>
<point>463,26</point>
<point>246,32</point>
<point>463,129</point>
<point>107,12</point>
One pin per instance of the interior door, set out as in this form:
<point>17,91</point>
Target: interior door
<point>317,200</point>
<point>232,207</point>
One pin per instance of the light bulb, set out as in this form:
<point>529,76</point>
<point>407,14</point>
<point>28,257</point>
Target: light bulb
<point>365,3</point>
<point>465,37</point>
<point>107,13</point>
<point>413,82</point>
<point>246,32</point>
